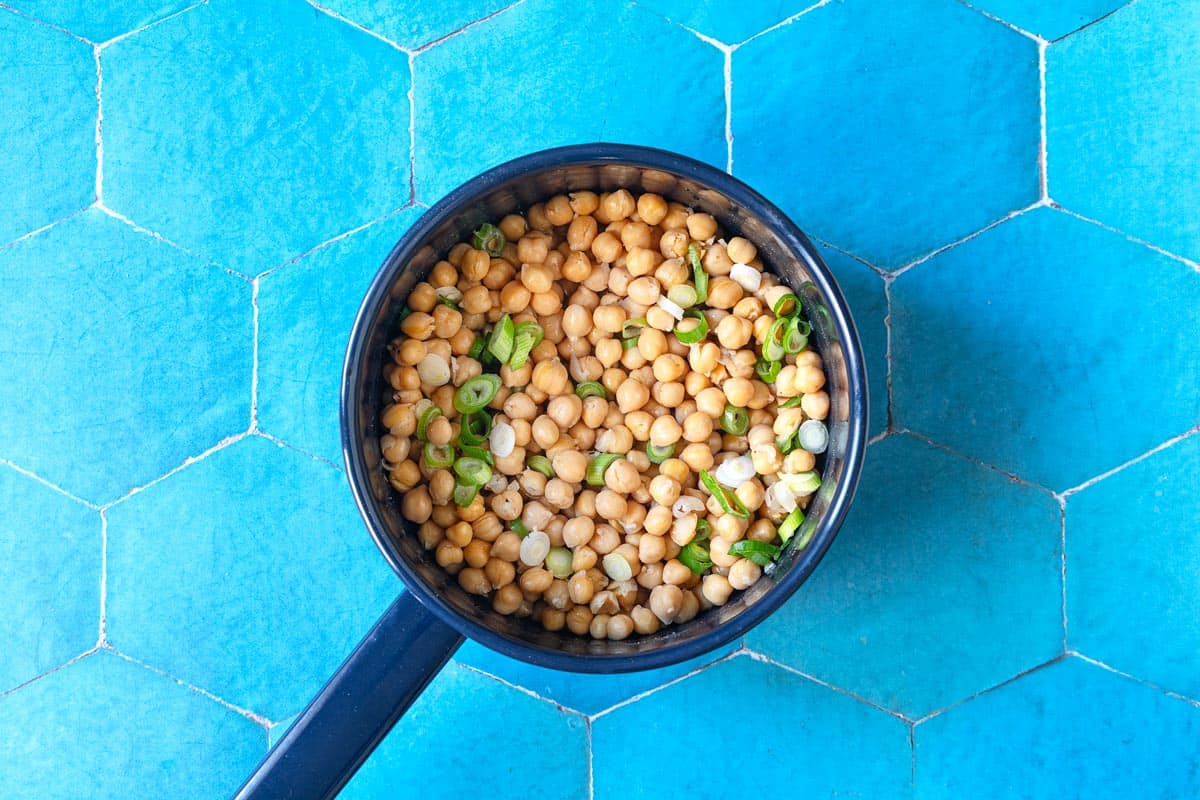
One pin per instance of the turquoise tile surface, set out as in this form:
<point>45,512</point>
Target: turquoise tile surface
<point>812,742</point>
<point>875,162</point>
<point>1133,553</point>
<point>1070,730</point>
<point>100,22</point>
<point>1049,20</point>
<point>1122,120</point>
<point>412,23</point>
<point>457,136</point>
<point>197,194</point>
<point>944,581</point>
<point>1013,371</point>
<point>255,545</point>
<point>50,551</point>
<point>123,356</point>
<point>501,743</point>
<point>243,145</point>
<point>104,727</point>
<point>729,21</point>
<point>306,311</point>
<point>48,126</point>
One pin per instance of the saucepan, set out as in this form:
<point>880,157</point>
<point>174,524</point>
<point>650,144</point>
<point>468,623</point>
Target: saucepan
<point>429,620</point>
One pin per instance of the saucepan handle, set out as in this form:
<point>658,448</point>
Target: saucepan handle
<point>368,694</point>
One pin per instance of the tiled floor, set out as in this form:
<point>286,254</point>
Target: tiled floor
<point>195,195</point>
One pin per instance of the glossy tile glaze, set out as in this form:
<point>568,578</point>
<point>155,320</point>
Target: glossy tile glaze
<point>181,564</point>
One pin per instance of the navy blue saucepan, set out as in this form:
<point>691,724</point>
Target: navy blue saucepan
<point>427,623</point>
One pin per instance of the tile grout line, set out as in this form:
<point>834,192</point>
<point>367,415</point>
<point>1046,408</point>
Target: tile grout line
<point>1012,476</point>
<point>912,758</point>
<point>258,719</point>
<point>187,462</point>
<point>1158,448</point>
<point>102,635</point>
<point>990,689</point>
<point>99,125</point>
<point>783,23</point>
<point>329,12</point>
<point>1004,22</point>
<point>591,761</point>
<point>122,36</point>
<point>254,287</point>
<point>728,53</point>
<point>1043,149</point>
<point>890,424</point>
<point>275,440</point>
<point>34,476</point>
<point>994,223</point>
<point>655,689</point>
<point>765,659</point>
<point>73,660</point>
<point>44,228</point>
<point>331,241</point>
<point>44,23</point>
<point>158,237</point>
<point>882,273</point>
<point>522,689</point>
<point>1130,237</point>
<point>445,37</point>
<point>1148,684</point>
<point>1062,555</point>
<point>412,129</point>
<point>1098,19</point>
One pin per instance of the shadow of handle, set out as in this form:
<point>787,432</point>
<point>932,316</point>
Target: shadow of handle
<point>368,694</point>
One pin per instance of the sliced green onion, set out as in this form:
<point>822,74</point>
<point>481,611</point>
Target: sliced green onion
<point>790,524</point>
<point>658,455</point>
<point>793,340</point>
<point>772,349</point>
<point>632,328</point>
<point>760,553</point>
<point>735,420</point>
<point>694,555</point>
<point>629,344</point>
<point>480,453</point>
<point>447,299</point>
<point>701,277</point>
<point>785,305</point>
<point>683,295</point>
<point>692,334</point>
<point>803,483</point>
<point>476,393</point>
<point>519,528</point>
<point>729,502</point>
<point>767,371</point>
<point>795,401</point>
<point>475,428</point>
<point>464,494</point>
<point>477,347</point>
<point>500,344</point>
<point>526,336</point>
<point>540,463</point>
<point>588,389</point>
<point>813,436</point>
<point>558,561</point>
<point>427,417</point>
<point>472,471</point>
<point>403,315</point>
<point>597,466</point>
<point>438,455</point>
<point>490,238</point>
<point>787,444</point>
<point>703,530</point>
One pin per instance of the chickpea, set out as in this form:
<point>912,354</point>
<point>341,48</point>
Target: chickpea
<point>584,557</point>
<point>584,202</point>
<point>815,405</point>
<point>742,251</point>
<point>799,461</point>
<point>697,427</point>
<point>673,243</point>
<point>507,599</point>
<point>665,490</point>
<point>553,619</point>
<point>444,516</point>
<point>644,621</point>
<point>767,459</point>
<point>751,494</point>
<point>473,581</point>
<point>631,395</point>
<point>599,627</point>
<point>651,208</point>
<point>608,319</point>
<point>763,530</point>
<point>520,405</point>
<point>595,411</point>
<point>448,555</point>
<point>619,627</point>
<point>690,608</point>
<point>703,358</point>
<point>514,298</point>
<point>738,391</point>
<point>609,505</point>
<point>580,588</point>
<point>643,290</point>
<point>711,401</point>
<point>717,260</point>
<point>512,464</point>
<point>676,469</point>
<point>675,573</point>
<point>399,419</point>
<point>559,493</point>
<point>417,325</point>
<point>701,226</point>
<point>669,394</point>
<point>724,293</point>
<point>669,367</point>
<point>729,527</point>
<point>608,352</point>
<point>664,432</point>
<point>716,589</point>
<point>617,205</point>
<point>507,505</point>
<point>417,505</point>
<point>459,534</point>
<point>621,476</point>
<point>423,297</point>
<point>666,601</point>
<point>578,531</point>
<point>734,332</point>
<point>606,247</point>
<point>658,521</point>
<point>809,379</point>
<point>744,573</point>
<point>579,620</point>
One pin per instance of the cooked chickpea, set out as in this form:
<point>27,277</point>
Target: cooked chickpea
<point>665,490</point>
<point>742,251</point>
<point>669,367</point>
<point>643,290</point>
<point>631,395</point>
<point>716,589</point>
<point>738,391</point>
<point>697,427</point>
<point>609,505</point>
<point>417,505</point>
<point>665,432</point>
<point>652,208</point>
<point>559,493</point>
<point>675,573</point>
<point>724,293</point>
<point>815,404</point>
<point>701,226</point>
<point>734,332</point>
<point>666,601</point>
<point>809,379</point>
<point>744,573</point>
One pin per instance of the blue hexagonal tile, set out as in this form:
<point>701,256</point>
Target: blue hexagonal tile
<point>104,727</point>
<point>747,729</point>
<point>306,311</point>
<point>248,574</point>
<point>49,578</point>
<point>897,136</point>
<point>865,293</point>
<point>1133,555</point>
<point>567,87</point>
<point>582,692</point>
<point>729,20</point>
<point>481,737</point>
<point>266,132</point>
<point>944,580</point>
<point>99,22</point>
<point>123,356</point>
<point>1049,20</point>
<point>1069,730</point>
<point>412,25</point>
<point>48,161</point>
<point>1122,100</point>
<point>1048,347</point>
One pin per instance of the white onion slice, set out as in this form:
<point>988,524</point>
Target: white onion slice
<point>671,308</point>
<point>434,370</point>
<point>687,504</point>
<point>450,293</point>
<point>780,498</point>
<point>746,276</point>
<point>534,548</point>
<point>734,472</point>
<point>497,483</point>
<point>617,567</point>
<point>814,436</point>
<point>502,440</point>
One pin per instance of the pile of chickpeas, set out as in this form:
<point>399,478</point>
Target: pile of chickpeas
<point>581,266</point>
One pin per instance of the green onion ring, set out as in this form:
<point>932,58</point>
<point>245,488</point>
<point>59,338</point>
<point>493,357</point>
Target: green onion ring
<point>629,344</point>
<point>658,455</point>
<point>438,455</point>
<point>526,336</point>
<point>696,334</point>
<point>476,393</point>
<point>490,238</point>
<point>783,302</point>
<point>474,428</point>
<point>735,420</point>
<point>500,344</point>
<point>767,371</point>
<point>701,277</point>
<point>703,530</point>
<point>472,471</point>
<point>795,401</point>
<point>588,389</point>
<point>793,340</point>
<point>694,555</point>
<point>540,463</point>
<point>760,553</point>
<point>730,503</point>
<point>464,494</point>
<point>480,453</point>
<point>597,466</point>
<point>790,524</point>
<point>632,328</point>
<point>477,347</point>
<point>427,417</point>
<point>519,528</point>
